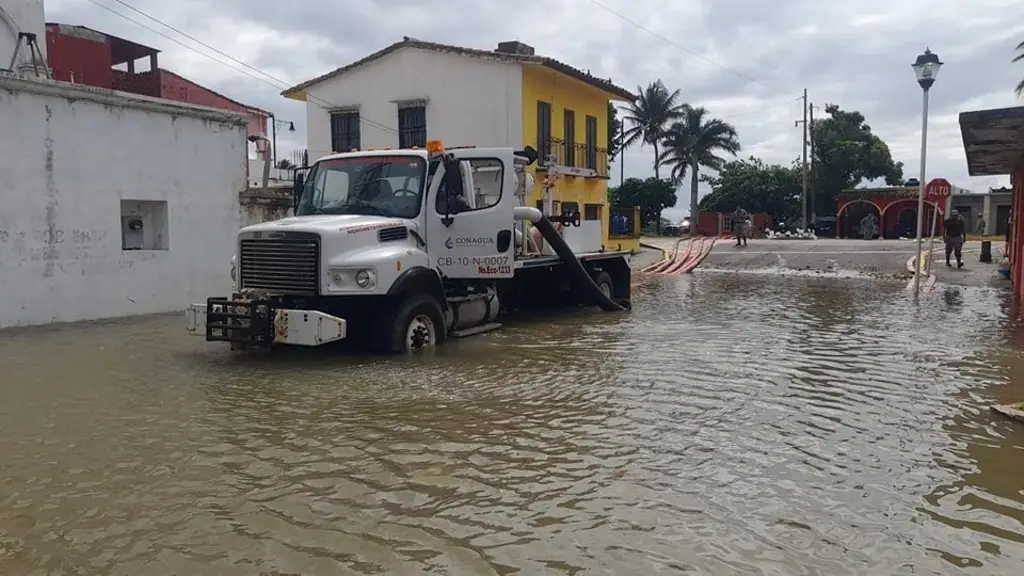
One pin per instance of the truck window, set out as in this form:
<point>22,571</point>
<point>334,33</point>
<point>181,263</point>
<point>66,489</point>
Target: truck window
<point>389,186</point>
<point>485,174</point>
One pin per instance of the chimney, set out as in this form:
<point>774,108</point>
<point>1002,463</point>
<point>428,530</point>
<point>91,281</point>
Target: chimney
<point>515,47</point>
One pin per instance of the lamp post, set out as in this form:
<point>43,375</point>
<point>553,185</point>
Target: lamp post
<point>273,127</point>
<point>926,68</point>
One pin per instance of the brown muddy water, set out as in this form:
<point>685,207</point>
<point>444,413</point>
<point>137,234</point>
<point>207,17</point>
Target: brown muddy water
<point>728,425</point>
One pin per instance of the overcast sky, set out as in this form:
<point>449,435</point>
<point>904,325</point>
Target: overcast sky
<point>745,60</point>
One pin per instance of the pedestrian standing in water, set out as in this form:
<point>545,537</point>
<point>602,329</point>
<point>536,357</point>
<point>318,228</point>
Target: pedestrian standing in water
<point>741,225</point>
<point>955,230</point>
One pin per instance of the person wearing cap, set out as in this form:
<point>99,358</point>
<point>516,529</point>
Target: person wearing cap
<point>955,230</point>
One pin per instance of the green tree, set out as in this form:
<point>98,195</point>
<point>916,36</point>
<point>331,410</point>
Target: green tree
<point>846,153</point>
<point>654,109</point>
<point>652,195</point>
<point>614,128</point>
<point>1019,90</point>
<point>757,187</point>
<point>285,164</point>
<point>693,143</point>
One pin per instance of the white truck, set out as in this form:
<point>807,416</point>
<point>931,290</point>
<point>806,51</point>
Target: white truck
<point>401,249</point>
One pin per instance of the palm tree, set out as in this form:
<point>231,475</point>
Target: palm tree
<point>694,142</point>
<point>648,116</point>
<point>1019,90</point>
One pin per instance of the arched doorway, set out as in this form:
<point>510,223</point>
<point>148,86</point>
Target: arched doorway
<point>850,216</point>
<point>899,219</point>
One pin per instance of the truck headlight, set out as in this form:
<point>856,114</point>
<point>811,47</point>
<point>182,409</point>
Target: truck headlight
<point>364,278</point>
<point>233,273</point>
<point>352,278</point>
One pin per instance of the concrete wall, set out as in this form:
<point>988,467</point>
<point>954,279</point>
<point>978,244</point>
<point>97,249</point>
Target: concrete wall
<point>990,205</point>
<point>470,101</point>
<point>79,55</point>
<point>20,16</point>
<point>174,87</point>
<point>79,165</point>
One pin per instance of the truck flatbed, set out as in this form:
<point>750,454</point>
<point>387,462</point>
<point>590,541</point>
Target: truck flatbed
<point>535,261</point>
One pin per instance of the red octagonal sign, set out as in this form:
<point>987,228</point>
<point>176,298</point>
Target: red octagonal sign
<point>938,188</point>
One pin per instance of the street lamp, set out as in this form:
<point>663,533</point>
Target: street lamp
<point>273,128</point>
<point>926,68</point>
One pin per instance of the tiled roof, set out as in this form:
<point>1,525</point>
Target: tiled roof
<point>408,42</point>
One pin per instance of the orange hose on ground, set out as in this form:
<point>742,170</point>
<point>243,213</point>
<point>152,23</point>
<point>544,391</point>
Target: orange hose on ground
<point>694,248</point>
<point>674,259</point>
<point>698,259</point>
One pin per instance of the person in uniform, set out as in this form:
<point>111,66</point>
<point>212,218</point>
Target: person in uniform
<point>955,231</point>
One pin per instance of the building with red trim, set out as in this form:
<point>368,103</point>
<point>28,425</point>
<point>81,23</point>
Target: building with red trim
<point>81,55</point>
<point>894,209</point>
<point>994,146</point>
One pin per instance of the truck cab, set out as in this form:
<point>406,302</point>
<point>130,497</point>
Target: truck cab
<point>401,246</point>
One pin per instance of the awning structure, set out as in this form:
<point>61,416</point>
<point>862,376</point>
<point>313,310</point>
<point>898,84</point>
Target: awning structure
<point>993,140</point>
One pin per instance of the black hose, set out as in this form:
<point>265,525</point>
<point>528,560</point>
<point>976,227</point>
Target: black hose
<point>579,273</point>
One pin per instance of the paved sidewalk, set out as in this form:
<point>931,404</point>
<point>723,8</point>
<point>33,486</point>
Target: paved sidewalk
<point>885,258</point>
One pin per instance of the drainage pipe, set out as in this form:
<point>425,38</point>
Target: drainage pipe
<point>583,280</point>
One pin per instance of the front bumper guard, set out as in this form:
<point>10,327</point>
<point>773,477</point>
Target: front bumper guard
<point>257,323</point>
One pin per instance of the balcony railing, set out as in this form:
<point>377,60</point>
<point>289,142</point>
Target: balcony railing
<point>574,159</point>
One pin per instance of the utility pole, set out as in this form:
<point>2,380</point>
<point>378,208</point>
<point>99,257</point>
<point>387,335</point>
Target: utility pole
<point>810,132</point>
<point>803,195</point>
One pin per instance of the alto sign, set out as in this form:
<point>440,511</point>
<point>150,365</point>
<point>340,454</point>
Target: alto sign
<point>938,188</point>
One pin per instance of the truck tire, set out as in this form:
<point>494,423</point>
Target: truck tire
<point>412,322</point>
<point>605,284</point>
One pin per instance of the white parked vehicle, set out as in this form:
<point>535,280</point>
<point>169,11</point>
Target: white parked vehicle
<point>401,249</point>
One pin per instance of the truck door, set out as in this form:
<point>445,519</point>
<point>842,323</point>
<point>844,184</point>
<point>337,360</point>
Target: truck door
<point>469,214</point>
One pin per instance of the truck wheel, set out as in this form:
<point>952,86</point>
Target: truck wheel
<point>412,323</point>
<point>605,284</point>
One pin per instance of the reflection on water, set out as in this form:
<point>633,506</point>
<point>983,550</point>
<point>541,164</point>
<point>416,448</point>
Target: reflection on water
<point>729,424</point>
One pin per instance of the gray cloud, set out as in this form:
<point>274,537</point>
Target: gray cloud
<point>856,55</point>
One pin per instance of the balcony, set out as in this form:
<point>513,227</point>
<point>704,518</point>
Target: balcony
<point>577,160</point>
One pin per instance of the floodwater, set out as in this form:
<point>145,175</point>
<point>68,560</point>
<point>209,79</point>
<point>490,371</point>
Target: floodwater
<point>729,425</point>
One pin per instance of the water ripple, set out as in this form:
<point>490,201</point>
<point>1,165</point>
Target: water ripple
<point>729,424</point>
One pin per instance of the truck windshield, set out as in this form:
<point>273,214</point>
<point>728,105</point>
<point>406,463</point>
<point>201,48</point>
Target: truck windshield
<point>389,186</point>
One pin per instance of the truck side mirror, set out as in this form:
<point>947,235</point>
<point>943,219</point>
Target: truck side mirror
<point>297,185</point>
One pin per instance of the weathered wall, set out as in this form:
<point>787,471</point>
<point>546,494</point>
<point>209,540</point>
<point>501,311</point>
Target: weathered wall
<point>260,206</point>
<point>77,162</point>
<point>174,87</point>
<point>79,55</point>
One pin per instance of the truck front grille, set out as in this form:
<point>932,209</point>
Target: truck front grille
<point>286,265</point>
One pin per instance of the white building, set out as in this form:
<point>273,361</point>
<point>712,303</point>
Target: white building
<point>412,85</point>
<point>114,204</point>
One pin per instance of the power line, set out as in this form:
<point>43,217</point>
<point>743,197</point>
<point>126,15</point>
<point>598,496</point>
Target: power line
<point>762,110</point>
<point>271,82</point>
<point>687,50</point>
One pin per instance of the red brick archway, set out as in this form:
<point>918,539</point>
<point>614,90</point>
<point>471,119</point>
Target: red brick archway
<point>846,225</point>
<point>894,209</point>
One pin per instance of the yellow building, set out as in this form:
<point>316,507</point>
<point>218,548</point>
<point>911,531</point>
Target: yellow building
<point>414,90</point>
<point>565,117</point>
